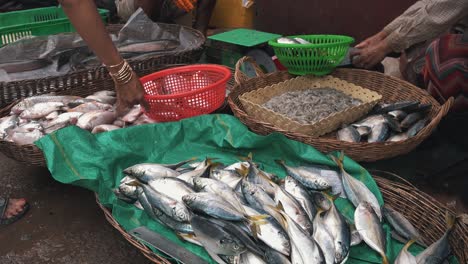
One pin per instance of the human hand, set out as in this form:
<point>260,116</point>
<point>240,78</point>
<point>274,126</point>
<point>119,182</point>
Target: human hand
<point>371,41</point>
<point>371,55</point>
<point>130,94</point>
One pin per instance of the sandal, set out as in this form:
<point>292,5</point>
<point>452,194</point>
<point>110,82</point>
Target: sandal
<point>10,220</point>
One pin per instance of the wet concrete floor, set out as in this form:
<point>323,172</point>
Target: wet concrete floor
<point>65,225</point>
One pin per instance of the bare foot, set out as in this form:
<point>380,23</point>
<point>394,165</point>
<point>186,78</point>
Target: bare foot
<point>15,206</point>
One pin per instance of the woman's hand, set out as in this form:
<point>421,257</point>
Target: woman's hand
<point>370,55</point>
<point>130,94</point>
<point>371,41</point>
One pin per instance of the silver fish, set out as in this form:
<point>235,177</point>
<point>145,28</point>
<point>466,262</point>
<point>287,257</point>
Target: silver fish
<point>293,209</point>
<point>418,126</point>
<point>177,226</point>
<point>339,229</point>
<point>28,127</point>
<point>401,225</point>
<point>27,138</point>
<point>271,233</point>
<point>238,165</point>
<point>172,187</point>
<point>374,120</point>
<point>331,175</point>
<point>95,118</point>
<point>52,115</point>
<point>348,134</point>
<point>257,198</point>
<point>167,205</point>
<point>398,114</point>
<point>438,252</point>
<point>215,239</point>
<point>285,40</point>
<point>132,115</point>
<point>379,133</point>
<point>398,137</point>
<point>145,203</point>
<point>47,98</point>
<point>6,123</point>
<point>403,105</point>
<point>126,199</point>
<point>324,239</point>
<point>411,119</point>
<point>302,41</point>
<point>104,128</point>
<point>356,191</point>
<point>65,118</point>
<point>363,131</point>
<point>320,200</point>
<point>301,195</point>
<point>90,106</point>
<point>305,177</point>
<point>405,257</point>
<point>274,257</point>
<point>213,205</point>
<point>304,248</point>
<point>189,176</point>
<point>230,177</point>
<point>250,258</point>
<point>219,188</point>
<point>356,238</point>
<point>146,172</point>
<point>40,110</point>
<point>103,99</point>
<point>254,176</point>
<point>368,225</point>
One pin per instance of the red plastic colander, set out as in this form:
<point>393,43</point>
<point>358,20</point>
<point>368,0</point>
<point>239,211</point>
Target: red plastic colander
<point>187,91</point>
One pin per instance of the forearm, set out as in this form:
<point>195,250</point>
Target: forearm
<point>87,22</point>
<point>203,14</point>
<point>403,18</point>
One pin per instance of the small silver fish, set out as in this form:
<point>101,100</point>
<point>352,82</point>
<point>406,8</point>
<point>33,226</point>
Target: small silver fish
<point>172,187</point>
<point>146,172</point>
<point>231,177</point>
<point>66,118</point>
<point>219,188</point>
<point>213,205</point>
<point>293,209</point>
<point>368,225</point>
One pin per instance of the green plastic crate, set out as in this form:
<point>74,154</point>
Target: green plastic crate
<point>36,22</point>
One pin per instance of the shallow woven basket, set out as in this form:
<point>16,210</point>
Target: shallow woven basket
<point>391,89</point>
<point>423,211</point>
<point>253,104</point>
<point>97,78</point>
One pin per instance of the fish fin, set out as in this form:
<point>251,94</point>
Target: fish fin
<point>338,161</point>
<point>134,183</point>
<point>248,158</point>
<point>331,197</point>
<point>243,171</point>
<point>255,231</point>
<point>280,210</point>
<point>215,257</point>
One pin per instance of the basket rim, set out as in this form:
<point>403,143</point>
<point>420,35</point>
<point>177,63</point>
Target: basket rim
<point>190,68</point>
<point>345,40</point>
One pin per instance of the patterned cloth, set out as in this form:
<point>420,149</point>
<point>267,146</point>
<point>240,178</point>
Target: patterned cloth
<point>446,70</point>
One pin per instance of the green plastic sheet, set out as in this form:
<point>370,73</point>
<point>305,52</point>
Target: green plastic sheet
<point>75,156</point>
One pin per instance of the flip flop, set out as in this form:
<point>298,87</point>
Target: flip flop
<point>3,208</point>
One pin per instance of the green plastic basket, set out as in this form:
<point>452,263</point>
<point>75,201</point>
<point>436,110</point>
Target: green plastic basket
<point>319,58</point>
<point>36,22</point>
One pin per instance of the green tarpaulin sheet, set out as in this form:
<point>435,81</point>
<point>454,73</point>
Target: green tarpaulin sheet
<point>75,156</point>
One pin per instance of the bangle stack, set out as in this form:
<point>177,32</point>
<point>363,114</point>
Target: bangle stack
<point>123,73</point>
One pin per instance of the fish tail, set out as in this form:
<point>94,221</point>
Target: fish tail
<point>248,158</point>
<point>254,222</point>
<point>243,171</point>
<point>331,197</point>
<point>384,259</point>
<point>412,241</point>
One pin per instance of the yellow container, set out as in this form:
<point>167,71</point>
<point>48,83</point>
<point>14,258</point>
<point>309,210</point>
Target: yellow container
<point>231,14</point>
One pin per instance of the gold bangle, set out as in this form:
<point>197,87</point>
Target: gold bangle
<point>124,74</point>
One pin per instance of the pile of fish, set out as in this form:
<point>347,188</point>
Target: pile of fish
<point>36,116</point>
<point>388,122</point>
<point>242,214</point>
<point>311,105</point>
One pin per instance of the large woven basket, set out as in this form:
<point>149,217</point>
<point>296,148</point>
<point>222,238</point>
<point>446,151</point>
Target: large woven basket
<point>423,211</point>
<point>97,78</point>
<point>392,89</point>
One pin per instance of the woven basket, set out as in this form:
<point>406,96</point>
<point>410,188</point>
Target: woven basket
<point>423,211</point>
<point>392,89</point>
<point>253,101</point>
<point>97,78</point>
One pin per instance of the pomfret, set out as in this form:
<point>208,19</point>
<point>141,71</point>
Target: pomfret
<point>95,118</point>
<point>172,187</point>
<point>356,191</point>
<point>368,225</point>
<point>293,209</point>
<point>306,177</point>
<point>304,198</point>
<point>349,134</point>
<point>104,128</point>
<point>40,110</point>
<point>405,257</point>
